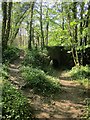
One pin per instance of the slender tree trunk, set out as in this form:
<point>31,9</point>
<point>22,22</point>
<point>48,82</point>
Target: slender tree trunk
<point>81,29</point>
<point>37,38</point>
<point>87,21</point>
<point>87,36</point>
<point>31,22</point>
<point>18,23</point>
<point>71,35</point>
<point>33,37</point>
<point>6,23</point>
<point>47,27</point>
<point>86,26</point>
<point>75,33</point>
<point>75,18</point>
<point>62,18</point>
<point>16,31</point>
<point>9,20</point>
<point>41,26</point>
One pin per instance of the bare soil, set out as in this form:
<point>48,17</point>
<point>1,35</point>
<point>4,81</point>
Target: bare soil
<point>69,103</point>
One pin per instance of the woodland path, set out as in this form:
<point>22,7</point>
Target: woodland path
<point>70,103</point>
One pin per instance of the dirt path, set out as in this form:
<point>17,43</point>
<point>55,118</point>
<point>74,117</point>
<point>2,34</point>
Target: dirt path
<point>14,71</point>
<point>70,103</point>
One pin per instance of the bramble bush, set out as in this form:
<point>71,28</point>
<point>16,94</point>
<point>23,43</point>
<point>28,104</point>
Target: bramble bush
<point>39,81</point>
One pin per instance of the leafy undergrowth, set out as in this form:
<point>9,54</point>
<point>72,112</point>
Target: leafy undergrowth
<point>4,71</point>
<point>80,72</point>
<point>87,114</point>
<point>10,54</point>
<point>38,59</point>
<point>15,105</point>
<point>39,81</point>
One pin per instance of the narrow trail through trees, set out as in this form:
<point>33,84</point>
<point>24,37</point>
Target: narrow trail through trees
<point>70,103</point>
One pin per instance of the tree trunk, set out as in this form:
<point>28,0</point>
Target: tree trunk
<point>75,18</point>
<point>4,23</point>
<point>62,18</point>
<point>81,29</point>
<point>31,22</point>
<point>41,26</point>
<point>75,33</point>
<point>6,8</point>
<point>9,20</point>
<point>18,23</point>
<point>87,23</point>
<point>33,37</point>
<point>47,27</point>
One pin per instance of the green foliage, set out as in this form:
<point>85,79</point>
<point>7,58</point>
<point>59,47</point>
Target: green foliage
<point>87,113</point>
<point>80,72</point>
<point>15,105</point>
<point>39,81</point>
<point>59,37</point>
<point>36,58</point>
<point>73,23</point>
<point>10,54</point>
<point>3,71</point>
<point>88,109</point>
<point>18,16</point>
